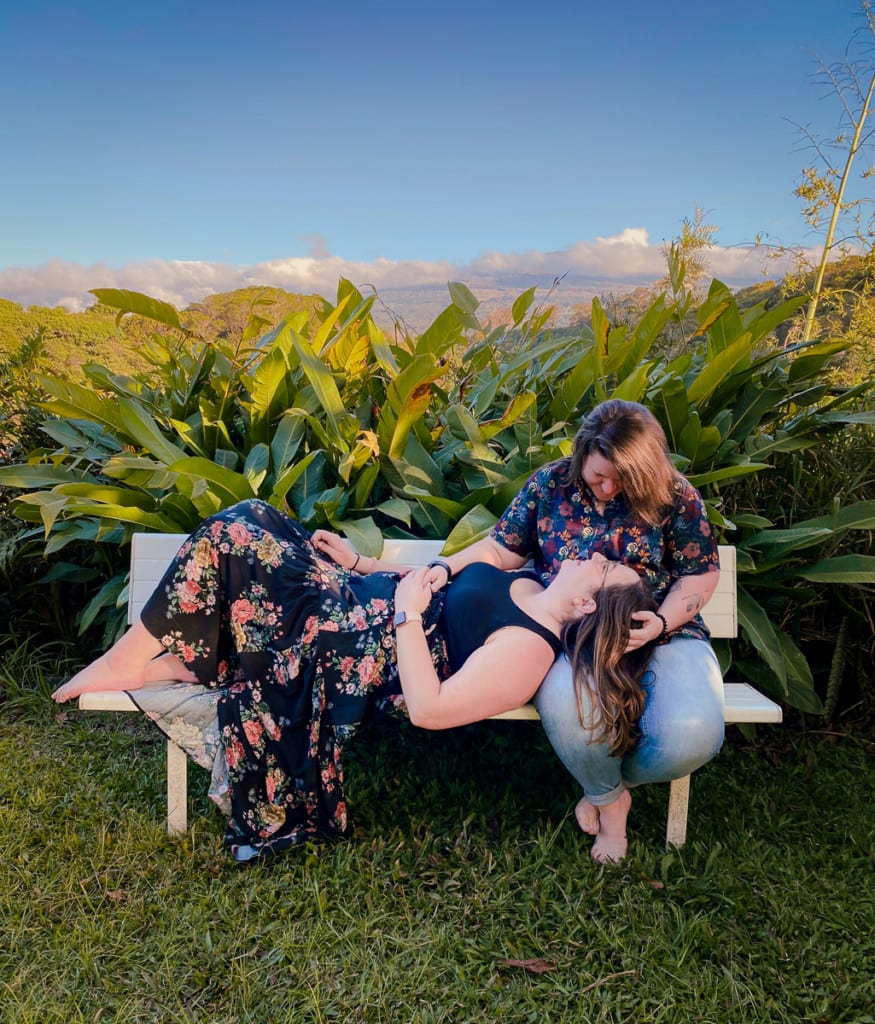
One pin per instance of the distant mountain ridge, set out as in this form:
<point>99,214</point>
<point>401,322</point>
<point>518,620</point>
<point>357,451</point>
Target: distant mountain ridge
<point>73,339</point>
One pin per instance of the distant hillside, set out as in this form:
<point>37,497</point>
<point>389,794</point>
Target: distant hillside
<point>844,282</point>
<point>74,339</point>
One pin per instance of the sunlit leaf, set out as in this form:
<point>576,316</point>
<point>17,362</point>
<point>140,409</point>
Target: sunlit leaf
<point>135,302</point>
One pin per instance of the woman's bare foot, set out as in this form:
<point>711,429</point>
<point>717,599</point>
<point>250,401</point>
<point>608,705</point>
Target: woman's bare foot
<point>122,667</point>
<point>103,674</point>
<point>587,815</point>
<point>168,668</point>
<point>611,844</point>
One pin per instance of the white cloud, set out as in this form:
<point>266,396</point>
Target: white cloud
<point>626,259</point>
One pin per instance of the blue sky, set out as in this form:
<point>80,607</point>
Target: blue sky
<point>213,136</point>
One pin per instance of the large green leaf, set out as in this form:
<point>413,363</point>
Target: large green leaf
<point>803,697</point>
<point>859,516</point>
<point>775,543</point>
<point>462,297</point>
<point>109,596</point>
<point>73,401</point>
<point>765,322</point>
<point>727,473</point>
<point>453,510</point>
<point>287,480</point>
<point>813,361</point>
<point>139,471</point>
<point>140,426</point>
<point>798,668</point>
<point>472,526</point>
<point>135,302</point>
<point>516,410</point>
<point>417,469</point>
<point>48,504</point>
<point>287,439</point>
<point>321,338</point>
<point>364,535</point>
<point>382,350</point>
<point>671,404</point>
<point>255,467</point>
<point>644,335</point>
<point>407,399</point>
<point>323,384</point>
<point>718,368</point>
<point>443,333</point>
<point>270,393</point>
<point>158,522</point>
<point>761,633</point>
<point>632,387</point>
<point>522,304</point>
<point>109,495</point>
<point>574,385</point>
<point>197,476</point>
<point>396,508</point>
<point>853,569</point>
<point>42,475</point>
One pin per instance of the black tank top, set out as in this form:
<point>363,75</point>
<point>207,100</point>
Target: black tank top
<point>478,603</point>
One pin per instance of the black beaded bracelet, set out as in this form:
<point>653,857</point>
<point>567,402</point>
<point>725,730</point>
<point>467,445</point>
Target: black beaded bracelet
<point>443,564</point>
<point>358,556</point>
<point>661,618</point>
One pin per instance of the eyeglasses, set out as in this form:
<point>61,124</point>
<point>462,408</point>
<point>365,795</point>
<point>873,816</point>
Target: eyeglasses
<point>609,567</point>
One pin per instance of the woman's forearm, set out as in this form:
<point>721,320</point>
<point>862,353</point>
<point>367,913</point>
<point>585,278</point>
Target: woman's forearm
<point>487,549</point>
<point>419,680</point>
<point>687,597</point>
<point>368,564</point>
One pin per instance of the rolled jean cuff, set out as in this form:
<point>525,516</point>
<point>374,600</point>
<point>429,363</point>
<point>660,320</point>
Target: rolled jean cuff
<point>603,799</point>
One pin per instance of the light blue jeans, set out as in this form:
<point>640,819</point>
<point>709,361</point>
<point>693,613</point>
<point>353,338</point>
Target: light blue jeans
<point>681,727</point>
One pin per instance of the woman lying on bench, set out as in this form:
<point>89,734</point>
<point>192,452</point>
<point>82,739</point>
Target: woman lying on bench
<point>290,642</point>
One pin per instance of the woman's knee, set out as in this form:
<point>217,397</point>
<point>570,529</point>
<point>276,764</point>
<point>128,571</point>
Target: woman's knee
<point>682,726</point>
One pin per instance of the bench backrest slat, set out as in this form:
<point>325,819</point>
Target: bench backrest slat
<point>151,553</point>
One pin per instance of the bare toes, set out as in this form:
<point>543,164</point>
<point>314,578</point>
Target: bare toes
<point>609,849</point>
<point>587,815</point>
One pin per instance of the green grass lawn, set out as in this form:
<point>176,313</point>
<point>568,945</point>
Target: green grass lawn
<point>465,857</point>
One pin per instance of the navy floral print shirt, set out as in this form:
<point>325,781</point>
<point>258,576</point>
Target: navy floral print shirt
<point>550,521</point>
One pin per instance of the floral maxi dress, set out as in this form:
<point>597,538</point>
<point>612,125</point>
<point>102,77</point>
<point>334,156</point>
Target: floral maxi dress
<point>293,654</point>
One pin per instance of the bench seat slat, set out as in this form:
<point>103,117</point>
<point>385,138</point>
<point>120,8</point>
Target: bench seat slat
<point>742,704</point>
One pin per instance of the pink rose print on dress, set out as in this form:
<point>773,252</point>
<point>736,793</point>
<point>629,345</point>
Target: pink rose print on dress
<point>242,610</point>
<point>239,534</point>
<point>366,669</point>
<point>187,591</point>
<point>253,731</point>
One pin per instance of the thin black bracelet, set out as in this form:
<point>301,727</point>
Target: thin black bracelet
<point>661,618</point>
<point>358,556</point>
<point>443,564</point>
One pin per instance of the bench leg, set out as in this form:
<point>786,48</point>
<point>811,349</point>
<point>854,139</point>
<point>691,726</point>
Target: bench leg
<point>678,805</point>
<point>177,789</point>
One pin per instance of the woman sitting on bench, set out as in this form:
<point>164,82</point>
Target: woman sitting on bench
<point>619,494</point>
<point>293,641</point>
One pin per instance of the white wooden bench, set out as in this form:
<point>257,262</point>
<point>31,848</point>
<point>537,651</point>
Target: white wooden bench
<point>151,553</point>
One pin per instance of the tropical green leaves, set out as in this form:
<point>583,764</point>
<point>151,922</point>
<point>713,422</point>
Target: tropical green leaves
<point>432,434</point>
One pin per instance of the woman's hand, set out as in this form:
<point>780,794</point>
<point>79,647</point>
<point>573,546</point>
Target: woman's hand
<point>413,593</point>
<point>335,547</point>
<point>647,626</point>
<point>437,576</point>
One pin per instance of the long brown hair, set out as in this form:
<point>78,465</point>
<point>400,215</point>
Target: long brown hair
<point>596,645</point>
<point>629,436</point>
